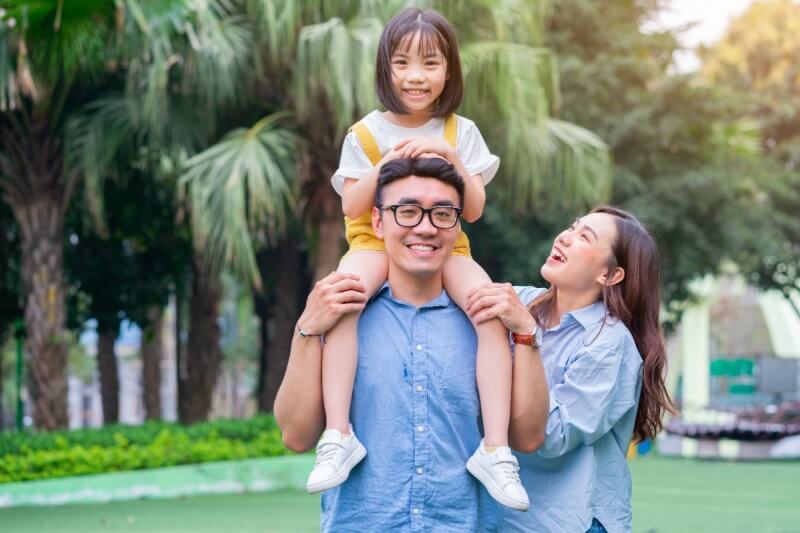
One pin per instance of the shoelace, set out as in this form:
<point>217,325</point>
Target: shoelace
<point>510,469</point>
<point>326,451</point>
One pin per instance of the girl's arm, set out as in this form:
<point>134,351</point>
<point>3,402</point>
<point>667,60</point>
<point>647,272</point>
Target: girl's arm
<point>474,191</point>
<point>358,196</point>
<point>529,395</point>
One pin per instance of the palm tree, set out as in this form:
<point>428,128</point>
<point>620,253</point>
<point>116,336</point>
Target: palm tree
<point>54,58</point>
<point>50,53</point>
<point>188,80</point>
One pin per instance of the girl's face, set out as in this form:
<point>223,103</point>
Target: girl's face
<point>419,73</point>
<point>579,260</point>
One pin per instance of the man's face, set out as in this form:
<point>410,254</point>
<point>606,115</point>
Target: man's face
<point>421,250</point>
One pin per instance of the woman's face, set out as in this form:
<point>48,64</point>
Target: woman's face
<point>580,256</point>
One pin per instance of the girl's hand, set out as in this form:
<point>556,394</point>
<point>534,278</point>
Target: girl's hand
<point>498,300</point>
<point>391,155</point>
<point>417,146</point>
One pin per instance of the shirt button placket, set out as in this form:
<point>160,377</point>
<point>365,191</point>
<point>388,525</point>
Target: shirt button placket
<point>419,380</point>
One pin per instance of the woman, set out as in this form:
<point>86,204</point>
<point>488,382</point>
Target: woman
<point>597,331</point>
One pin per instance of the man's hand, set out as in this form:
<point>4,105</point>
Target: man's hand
<point>334,295</point>
<point>499,300</point>
<point>416,146</point>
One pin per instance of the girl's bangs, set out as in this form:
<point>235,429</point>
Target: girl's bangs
<point>430,40</point>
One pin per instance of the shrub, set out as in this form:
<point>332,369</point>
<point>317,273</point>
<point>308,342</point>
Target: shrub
<point>119,448</point>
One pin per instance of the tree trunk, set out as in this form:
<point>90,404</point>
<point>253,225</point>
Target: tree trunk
<point>109,376</point>
<point>152,353</point>
<point>204,355</point>
<point>41,224</point>
<point>331,238</point>
<point>289,286</point>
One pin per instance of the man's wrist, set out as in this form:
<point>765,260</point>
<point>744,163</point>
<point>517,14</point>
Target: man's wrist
<point>307,333</point>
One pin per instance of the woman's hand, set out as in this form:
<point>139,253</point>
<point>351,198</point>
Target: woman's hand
<point>499,300</point>
<point>416,146</point>
<point>334,295</point>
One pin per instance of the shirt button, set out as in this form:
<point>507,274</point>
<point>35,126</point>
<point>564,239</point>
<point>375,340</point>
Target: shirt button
<point>419,347</point>
<point>415,510</point>
<point>419,388</point>
<point>420,428</point>
<point>419,471</point>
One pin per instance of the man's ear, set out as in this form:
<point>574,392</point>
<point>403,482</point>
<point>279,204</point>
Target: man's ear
<point>612,277</point>
<point>377,222</point>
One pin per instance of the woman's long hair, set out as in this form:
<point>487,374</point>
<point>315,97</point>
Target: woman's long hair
<point>635,301</point>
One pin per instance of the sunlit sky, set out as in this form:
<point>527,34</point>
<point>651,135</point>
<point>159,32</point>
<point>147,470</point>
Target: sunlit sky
<point>710,18</point>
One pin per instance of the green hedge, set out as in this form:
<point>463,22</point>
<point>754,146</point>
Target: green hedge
<point>118,448</point>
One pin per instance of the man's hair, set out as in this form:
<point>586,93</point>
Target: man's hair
<point>426,167</point>
<point>435,34</point>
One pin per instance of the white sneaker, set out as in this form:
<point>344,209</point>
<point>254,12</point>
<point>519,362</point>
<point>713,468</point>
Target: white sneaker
<point>499,473</point>
<point>336,456</point>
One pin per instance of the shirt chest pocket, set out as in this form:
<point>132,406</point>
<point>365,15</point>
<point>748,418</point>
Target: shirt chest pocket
<point>457,381</point>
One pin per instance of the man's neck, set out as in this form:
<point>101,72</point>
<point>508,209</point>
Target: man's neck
<point>416,290</point>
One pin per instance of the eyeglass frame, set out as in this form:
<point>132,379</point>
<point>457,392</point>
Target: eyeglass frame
<point>425,211</point>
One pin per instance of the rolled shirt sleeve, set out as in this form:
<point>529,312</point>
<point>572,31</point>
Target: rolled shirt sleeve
<point>597,388</point>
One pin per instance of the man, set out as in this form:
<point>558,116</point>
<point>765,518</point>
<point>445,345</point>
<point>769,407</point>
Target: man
<point>415,402</point>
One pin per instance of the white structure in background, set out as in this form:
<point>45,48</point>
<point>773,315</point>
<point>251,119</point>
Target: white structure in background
<point>777,369</point>
<point>233,395</point>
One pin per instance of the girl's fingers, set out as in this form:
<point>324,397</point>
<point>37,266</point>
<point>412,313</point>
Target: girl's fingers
<point>403,143</point>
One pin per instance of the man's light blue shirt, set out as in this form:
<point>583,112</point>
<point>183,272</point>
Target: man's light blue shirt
<point>415,408</point>
<point>594,374</point>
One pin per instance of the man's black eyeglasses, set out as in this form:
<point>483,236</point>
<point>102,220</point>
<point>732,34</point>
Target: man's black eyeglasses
<point>410,215</point>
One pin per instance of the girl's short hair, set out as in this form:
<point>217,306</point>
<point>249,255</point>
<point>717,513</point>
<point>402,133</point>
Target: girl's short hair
<point>435,33</point>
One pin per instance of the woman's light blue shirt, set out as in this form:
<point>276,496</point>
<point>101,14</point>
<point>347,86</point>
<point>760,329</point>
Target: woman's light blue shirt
<point>594,374</point>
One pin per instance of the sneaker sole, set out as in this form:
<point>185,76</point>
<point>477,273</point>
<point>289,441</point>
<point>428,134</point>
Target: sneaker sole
<point>494,490</point>
<point>358,454</point>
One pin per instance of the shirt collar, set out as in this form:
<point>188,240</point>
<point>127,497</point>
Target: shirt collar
<point>588,316</point>
<point>443,300</point>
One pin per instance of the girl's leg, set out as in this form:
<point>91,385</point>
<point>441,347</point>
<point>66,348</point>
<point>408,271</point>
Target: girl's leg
<point>340,354</point>
<point>493,365</point>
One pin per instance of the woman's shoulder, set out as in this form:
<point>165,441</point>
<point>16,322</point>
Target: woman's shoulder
<point>528,294</point>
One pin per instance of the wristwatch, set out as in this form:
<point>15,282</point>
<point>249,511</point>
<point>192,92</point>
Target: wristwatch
<point>533,339</point>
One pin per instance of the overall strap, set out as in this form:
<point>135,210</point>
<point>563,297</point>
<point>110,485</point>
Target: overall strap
<point>367,141</point>
<point>370,145</point>
<point>451,129</point>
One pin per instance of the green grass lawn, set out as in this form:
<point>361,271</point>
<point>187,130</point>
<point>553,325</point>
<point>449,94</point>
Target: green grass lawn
<point>670,495</point>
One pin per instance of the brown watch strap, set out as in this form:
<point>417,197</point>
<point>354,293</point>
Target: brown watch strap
<point>529,340</point>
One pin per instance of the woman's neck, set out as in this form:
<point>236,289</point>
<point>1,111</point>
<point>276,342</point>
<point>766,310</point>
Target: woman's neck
<point>567,301</point>
<point>412,120</point>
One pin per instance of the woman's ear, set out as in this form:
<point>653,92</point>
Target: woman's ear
<point>613,276</point>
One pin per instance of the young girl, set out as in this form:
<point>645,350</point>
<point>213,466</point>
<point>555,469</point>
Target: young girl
<point>418,80</point>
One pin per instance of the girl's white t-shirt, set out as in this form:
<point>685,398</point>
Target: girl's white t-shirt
<point>470,146</point>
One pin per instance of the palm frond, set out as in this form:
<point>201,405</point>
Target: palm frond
<point>327,54</point>
<point>558,164</point>
<point>239,185</point>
